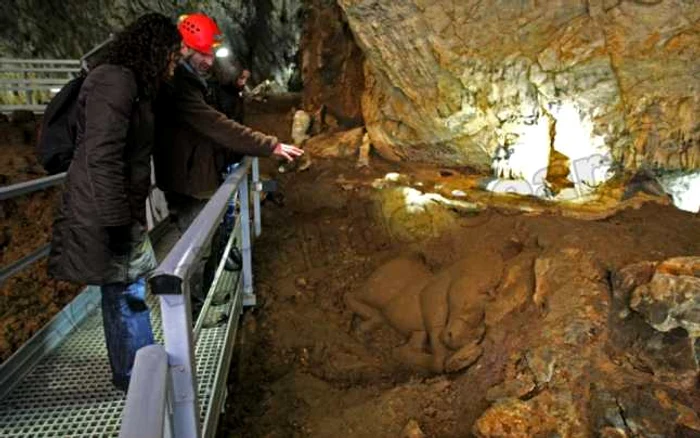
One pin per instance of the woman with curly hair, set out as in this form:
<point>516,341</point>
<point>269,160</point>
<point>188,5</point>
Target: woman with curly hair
<point>99,233</point>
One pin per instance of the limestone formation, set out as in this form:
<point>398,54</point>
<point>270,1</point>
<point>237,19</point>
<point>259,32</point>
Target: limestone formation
<point>611,81</point>
<point>444,311</point>
<point>345,144</point>
<point>331,63</point>
<point>363,158</point>
<point>657,307</point>
<point>671,299</point>
<point>588,368</point>
<point>412,430</point>
<point>263,36</point>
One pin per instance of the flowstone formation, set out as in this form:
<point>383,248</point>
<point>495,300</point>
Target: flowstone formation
<point>591,86</point>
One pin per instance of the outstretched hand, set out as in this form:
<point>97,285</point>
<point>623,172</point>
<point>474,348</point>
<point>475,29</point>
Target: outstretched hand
<point>287,151</point>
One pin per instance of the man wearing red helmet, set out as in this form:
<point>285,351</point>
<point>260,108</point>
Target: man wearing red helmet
<point>194,141</point>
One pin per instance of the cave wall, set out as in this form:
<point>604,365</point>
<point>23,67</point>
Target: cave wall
<point>263,34</point>
<point>449,82</point>
<point>332,63</point>
<point>67,29</point>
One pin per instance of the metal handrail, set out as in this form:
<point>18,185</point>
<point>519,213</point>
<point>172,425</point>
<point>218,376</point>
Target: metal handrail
<point>34,81</point>
<point>257,189</point>
<point>230,244</point>
<point>171,282</point>
<point>14,69</point>
<point>183,257</point>
<point>24,188</point>
<point>38,87</point>
<point>34,185</point>
<point>40,61</point>
<point>83,59</point>
<point>148,391</point>
<point>15,267</point>
<point>35,108</point>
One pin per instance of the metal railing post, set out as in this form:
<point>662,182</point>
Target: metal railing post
<point>177,331</point>
<point>171,282</point>
<point>248,295</point>
<point>257,188</point>
<point>145,412</point>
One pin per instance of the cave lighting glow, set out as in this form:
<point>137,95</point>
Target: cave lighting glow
<point>530,156</point>
<point>684,188</point>
<point>392,176</point>
<point>223,52</point>
<point>417,201</point>
<point>590,161</point>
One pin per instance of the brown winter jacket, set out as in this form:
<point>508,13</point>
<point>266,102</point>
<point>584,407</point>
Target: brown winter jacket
<point>194,141</point>
<point>99,231</point>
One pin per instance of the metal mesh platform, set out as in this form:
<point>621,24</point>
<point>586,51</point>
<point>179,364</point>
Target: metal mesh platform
<point>70,394</point>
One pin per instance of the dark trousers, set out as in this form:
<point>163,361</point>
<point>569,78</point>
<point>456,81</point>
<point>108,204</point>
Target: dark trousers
<point>185,210</point>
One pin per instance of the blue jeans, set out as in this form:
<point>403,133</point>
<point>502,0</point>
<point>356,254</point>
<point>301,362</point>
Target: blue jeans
<point>127,326</point>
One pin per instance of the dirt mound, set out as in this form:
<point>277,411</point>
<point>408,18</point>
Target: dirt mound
<point>303,369</point>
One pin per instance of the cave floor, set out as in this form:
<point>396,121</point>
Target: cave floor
<point>302,370</point>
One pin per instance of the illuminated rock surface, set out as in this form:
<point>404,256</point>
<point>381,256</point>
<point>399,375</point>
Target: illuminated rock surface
<point>449,82</point>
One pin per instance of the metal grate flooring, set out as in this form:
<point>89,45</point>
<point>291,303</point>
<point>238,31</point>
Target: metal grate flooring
<point>70,395</point>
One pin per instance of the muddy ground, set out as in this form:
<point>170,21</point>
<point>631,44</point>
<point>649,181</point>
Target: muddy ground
<point>303,370</point>
<point>29,299</point>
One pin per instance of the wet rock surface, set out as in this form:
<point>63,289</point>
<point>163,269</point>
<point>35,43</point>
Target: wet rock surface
<point>450,82</point>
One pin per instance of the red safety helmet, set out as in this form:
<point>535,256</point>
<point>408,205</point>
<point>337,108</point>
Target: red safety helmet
<point>199,32</point>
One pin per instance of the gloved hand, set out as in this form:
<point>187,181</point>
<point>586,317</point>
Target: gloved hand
<point>119,239</point>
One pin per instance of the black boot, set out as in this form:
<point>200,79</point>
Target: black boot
<point>234,261</point>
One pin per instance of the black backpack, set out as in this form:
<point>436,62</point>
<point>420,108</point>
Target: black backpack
<point>59,128</point>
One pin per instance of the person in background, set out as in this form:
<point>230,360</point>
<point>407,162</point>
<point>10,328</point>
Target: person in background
<point>238,90</point>
<point>194,141</point>
<point>226,91</point>
<point>99,232</point>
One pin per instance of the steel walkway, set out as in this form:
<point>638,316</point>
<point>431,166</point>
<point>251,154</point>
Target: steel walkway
<point>69,392</point>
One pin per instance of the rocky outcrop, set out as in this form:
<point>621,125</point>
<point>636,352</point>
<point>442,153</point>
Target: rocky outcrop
<point>656,310</point>
<point>332,63</point>
<point>272,36</point>
<point>602,364</point>
<point>39,29</point>
<point>611,81</point>
<point>263,35</point>
<point>671,299</point>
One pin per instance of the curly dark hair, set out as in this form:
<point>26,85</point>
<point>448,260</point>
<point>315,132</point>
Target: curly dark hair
<point>144,47</point>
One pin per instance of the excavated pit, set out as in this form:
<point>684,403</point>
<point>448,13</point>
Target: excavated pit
<point>557,353</point>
